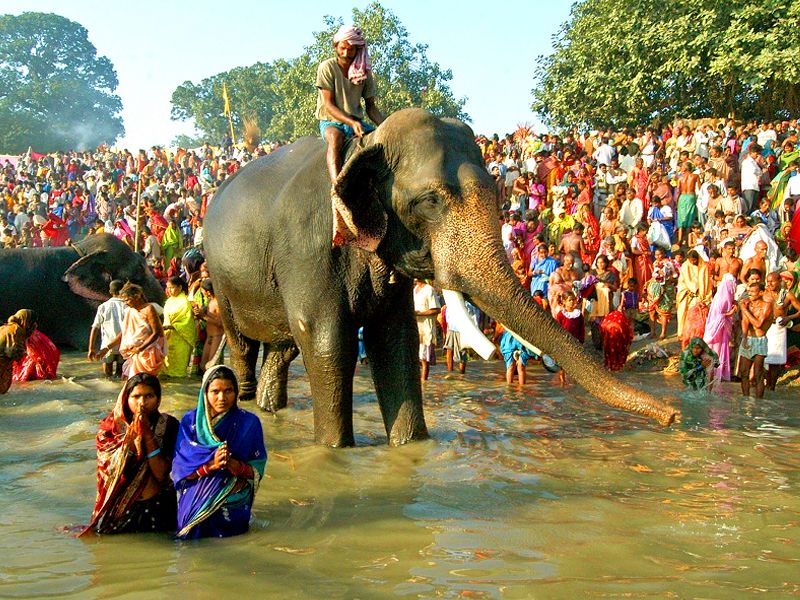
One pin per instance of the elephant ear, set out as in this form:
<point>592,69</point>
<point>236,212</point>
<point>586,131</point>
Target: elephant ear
<point>88,277</point>
<point>359,218</point>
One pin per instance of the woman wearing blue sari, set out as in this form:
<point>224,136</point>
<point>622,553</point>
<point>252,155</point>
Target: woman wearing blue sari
<point>542,266</point>
<point>219,461</point>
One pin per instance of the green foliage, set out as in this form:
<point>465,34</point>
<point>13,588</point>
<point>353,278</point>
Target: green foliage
<point>287,98</point>
<point>55,92</point>
<point>632,61</point>
<point>251,94</point>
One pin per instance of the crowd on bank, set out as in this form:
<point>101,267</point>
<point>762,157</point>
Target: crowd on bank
<point>693,221</point>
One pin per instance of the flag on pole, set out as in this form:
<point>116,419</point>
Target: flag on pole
<point>226,99</point>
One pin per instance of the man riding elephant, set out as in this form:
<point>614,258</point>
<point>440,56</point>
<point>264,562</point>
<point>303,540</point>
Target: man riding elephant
<point>342,82</point>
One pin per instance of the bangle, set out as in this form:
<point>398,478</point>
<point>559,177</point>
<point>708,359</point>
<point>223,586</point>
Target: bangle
<point>154,453</point>
<point>203,471</point>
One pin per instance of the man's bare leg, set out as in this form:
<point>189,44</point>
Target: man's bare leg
<point>335,140</point>
<point>424,369</point>
<point>521,372</point>
<point>758,368</point>
<point>744,374</point>
<point>449,358</point>
<point>510,374</point>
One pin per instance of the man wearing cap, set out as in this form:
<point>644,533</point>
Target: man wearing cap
<point>342,82</point>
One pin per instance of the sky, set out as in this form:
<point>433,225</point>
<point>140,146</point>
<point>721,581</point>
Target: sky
<point>157,45</point>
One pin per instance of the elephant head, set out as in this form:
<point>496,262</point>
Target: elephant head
<point>417,192</point>
<point>103,258</point>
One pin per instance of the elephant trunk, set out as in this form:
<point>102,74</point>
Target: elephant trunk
<point>477,265</point>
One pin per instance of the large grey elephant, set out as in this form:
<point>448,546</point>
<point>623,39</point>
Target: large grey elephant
<point>417,202</point>
<point>65,285</point>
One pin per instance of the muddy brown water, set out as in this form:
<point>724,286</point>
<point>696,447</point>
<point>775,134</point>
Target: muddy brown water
<point>534,493</point>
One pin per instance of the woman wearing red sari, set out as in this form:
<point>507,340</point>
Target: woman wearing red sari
<point>642,263</point>
<point>591,233</point>
<point>135,447</point>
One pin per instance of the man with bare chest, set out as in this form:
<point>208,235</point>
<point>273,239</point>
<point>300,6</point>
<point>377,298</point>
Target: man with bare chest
<point>687,201</point>
<point>756,320</point>
<point>727,263</point>
<point>757,261</point>
<point>572,244</point>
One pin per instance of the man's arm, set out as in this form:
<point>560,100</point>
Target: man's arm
<point>757,321</point>
<point>373,112</point>
<point>334,111</point>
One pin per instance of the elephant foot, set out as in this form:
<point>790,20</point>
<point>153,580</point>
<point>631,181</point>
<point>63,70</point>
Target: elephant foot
<point>247,390</point>
<point>334,439</point>
<point>271,393</point>
<point>403,435</point>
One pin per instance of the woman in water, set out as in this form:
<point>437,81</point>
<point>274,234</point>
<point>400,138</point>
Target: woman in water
<point>135,445</point>
<point>219,461</point>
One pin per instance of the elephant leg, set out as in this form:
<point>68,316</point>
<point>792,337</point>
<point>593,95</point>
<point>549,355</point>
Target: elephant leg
<point>330,350</point>
<point>243,351</point>
<point>392,345</point>
<point>271,393</point>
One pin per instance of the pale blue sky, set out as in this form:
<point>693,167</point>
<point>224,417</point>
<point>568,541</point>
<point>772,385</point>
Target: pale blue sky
<point>157,45</point>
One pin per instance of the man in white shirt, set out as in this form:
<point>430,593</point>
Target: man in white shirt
<point>766,134</point>
<point>426,307</point>
<point>751,179</point>
<point>108,321</point>
<point>604,153</point>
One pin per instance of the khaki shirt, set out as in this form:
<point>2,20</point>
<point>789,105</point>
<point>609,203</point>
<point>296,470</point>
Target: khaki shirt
<point>346,95</point>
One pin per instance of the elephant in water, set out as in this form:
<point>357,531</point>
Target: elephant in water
<point>65,285</point>
<point>417,202</point>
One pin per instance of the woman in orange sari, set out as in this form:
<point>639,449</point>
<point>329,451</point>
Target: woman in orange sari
<point>642,263</point>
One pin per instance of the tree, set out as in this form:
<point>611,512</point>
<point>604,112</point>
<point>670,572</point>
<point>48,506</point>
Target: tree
<point>55,92</point>
<point>251,94</point>
<point>283,96</point>
<point>632,61</point>
<point>404,74</point>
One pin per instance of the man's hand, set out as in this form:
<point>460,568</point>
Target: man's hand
<point>358,128</point>
<point>91,355</point>
<point>102,353</point>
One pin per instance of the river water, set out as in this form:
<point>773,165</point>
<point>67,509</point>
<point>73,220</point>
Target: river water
<point>541,493</point>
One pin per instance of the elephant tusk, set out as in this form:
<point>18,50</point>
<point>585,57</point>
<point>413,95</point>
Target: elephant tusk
<point>471,336</point>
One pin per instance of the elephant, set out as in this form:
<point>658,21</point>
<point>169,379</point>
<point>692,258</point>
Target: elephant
<point>66,285</point>
<point>294,271</point>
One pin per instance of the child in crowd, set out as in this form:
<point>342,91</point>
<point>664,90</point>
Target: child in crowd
<point>570,317</point>
<point>515,355</point>
<point>630,299</point>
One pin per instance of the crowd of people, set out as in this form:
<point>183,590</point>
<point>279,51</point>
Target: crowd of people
<point>615,233</point>
<point>696,222</point>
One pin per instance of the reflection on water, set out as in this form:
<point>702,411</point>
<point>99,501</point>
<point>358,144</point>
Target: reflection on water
<point>541,493</point>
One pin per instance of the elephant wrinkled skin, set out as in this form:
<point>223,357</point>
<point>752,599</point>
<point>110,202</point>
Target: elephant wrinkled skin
<point>66,285</point>
<point>416,186</point>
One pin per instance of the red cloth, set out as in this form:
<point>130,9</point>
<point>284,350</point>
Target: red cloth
<point>695,325</point>
<point>576,325</point>
<point>40,360</point>
<point>793,238</point>
<point>617,335</point>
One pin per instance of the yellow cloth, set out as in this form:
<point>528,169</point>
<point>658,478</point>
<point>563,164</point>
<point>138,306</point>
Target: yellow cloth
<point>182,338</point>
<point>694,285</point>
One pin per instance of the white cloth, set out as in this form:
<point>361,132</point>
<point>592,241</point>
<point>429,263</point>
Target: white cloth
<point>108,320</point>
<point>776,345</point>
<point>761,234</point>
<point>751,174</point>
<point>425,299</point>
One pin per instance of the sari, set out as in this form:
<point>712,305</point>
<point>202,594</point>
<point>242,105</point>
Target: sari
<point>617,335</point>
<point>694,287</point>
<point>693,373</point>
<point>211,505</point>
<point>12,344</point>
<point>182,337</point>
<point>540,282</point>
<point>40,360</point>
<point>135,330</point>
<point>777,189</point>
<point>123,474</point>
<point>719,326</point>
<point>171,244</point>
<point>642,263</point>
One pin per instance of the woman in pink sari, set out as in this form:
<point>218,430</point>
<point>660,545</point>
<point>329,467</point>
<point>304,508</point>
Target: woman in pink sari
<point>141,341</point>
<point>719,325</point>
